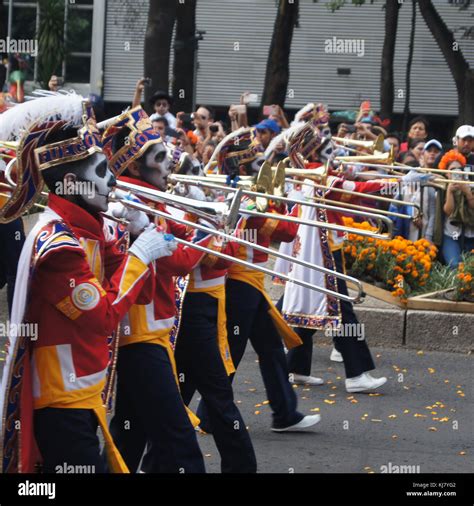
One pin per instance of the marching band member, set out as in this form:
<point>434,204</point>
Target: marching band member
<point>251,313</point>
<point>149,408</point>
<point>12,236</point>
<point>204,361</point>
<point>311,142</point>
<point>75,287</point>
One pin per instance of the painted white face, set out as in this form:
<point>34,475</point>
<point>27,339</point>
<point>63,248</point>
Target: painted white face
<point>95,182</point>
<point>326,152</point>
<point>155,166</point>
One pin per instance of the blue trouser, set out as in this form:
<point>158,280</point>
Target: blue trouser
<point>452,249</point>
<point>149,411</point>
<point>200,367</point>
<point>248,318</point>
<point>68,437</point>
<point>12,238</point>
<point>354,351</point>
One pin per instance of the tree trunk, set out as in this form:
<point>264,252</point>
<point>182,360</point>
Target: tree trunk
<point>278,74</point>
<point>406,110</point>
<point>467,103</point>
<point>3,36</point>
<point>185,47</point>
<point>388,55</point>
<point>457,63</point>
<point>159,31</point>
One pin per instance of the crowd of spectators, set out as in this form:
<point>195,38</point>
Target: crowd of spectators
<point>446,216</point>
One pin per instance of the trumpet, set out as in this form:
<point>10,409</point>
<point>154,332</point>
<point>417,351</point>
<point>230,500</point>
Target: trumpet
<point>152,211</point>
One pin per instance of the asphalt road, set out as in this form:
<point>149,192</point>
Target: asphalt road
<point>423,416</point>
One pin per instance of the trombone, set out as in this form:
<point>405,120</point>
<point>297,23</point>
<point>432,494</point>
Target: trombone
<point>401,166</point>
<point>13,145</point>
<point>368,214</point>
<point>363,195</point>
<point>386,157</point>
<point>158,195</point>
<point>219,213</point>
<point>374,146</point>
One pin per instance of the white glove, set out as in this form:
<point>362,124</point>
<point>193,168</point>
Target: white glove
<point>152,244</point>
<point>196,193</point>
<point>138,220</point>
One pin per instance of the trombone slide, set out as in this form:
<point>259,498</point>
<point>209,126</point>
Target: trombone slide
<point>265,270</point>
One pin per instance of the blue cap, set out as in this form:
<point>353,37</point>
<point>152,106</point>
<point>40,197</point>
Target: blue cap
<point>269,124</point>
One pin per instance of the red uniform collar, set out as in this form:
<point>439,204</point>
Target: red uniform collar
<point>76,217</point>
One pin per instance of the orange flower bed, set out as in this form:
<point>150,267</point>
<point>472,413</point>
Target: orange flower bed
<point>401,265</point>
<point>464,284</point>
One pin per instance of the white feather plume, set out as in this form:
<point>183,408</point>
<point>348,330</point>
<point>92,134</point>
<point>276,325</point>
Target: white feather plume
<point>284,136</point>
<point>43,105</point>
<point>222,143</point>
<point>302,112</point>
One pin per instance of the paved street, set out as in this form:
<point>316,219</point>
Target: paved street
<point>423,420</point>
<point>422,416</point>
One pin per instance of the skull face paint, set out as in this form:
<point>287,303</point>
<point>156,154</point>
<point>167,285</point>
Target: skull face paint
<point>94,182</point>
<point>155,166</point>
<point>326,152</point>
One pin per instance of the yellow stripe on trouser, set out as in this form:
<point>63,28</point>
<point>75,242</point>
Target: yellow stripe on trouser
<point>114,459</point>
<point>218,292</point>
<point>165,342</point>
<point>257,280</point>
<point>140,334</point>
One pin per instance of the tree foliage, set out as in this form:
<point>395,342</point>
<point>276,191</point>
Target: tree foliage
<point>51,47</point>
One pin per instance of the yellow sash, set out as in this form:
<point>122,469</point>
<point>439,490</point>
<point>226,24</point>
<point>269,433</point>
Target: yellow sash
<point>165,342</point>
<point>218,292</point>
<point>257,280</point>
<point>114,459</point>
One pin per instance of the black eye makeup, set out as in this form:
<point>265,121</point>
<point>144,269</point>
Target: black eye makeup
<point>101,169</point>
<point>159,157</point>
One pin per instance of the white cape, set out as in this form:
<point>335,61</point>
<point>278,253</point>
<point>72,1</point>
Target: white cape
<point>303,307</point>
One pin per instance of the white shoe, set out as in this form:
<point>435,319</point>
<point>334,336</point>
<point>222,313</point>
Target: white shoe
<point>336,356</point>
<point>364,382</point>
<point>299,379</point>
<point>306,422</point>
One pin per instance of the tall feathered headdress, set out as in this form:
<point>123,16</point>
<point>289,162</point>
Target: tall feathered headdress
<point>29,126</point>
<point>140,134</point>
<point>317,114</point>
<point>303,142</point>
<point>237,148</point>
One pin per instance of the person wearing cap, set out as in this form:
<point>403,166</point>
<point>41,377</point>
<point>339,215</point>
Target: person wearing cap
<point>425,196</point>
<point>266,130</point>
<point>431,152</point>
<point>463,143</point>
<point>161,102</point>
